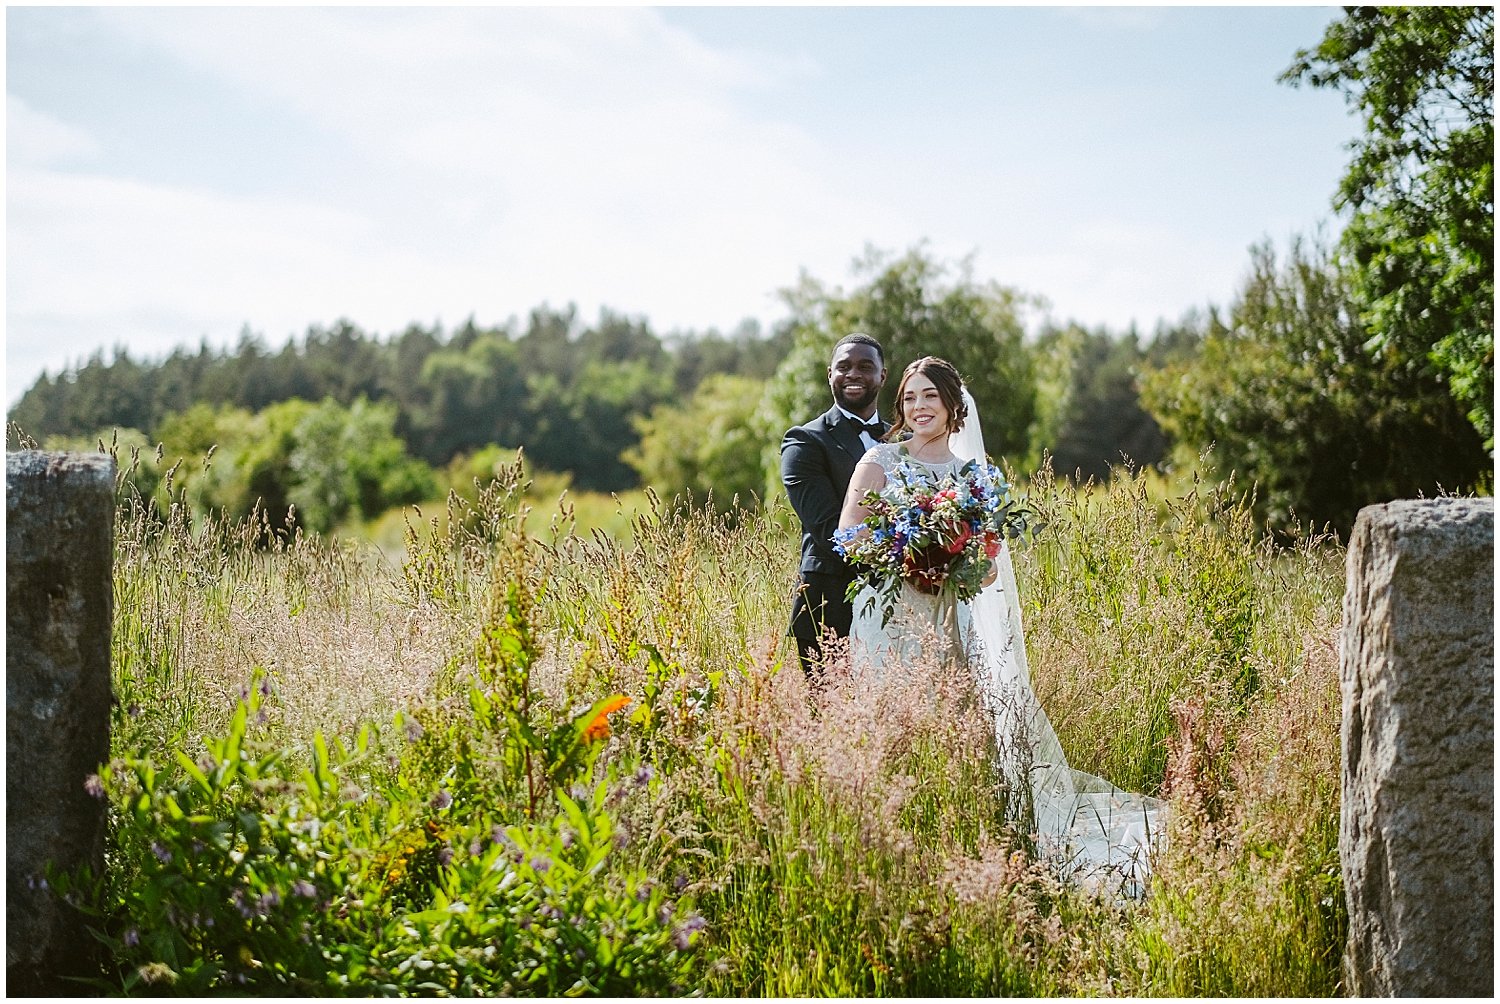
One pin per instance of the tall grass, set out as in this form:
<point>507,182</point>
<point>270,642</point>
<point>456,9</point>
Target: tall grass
<point>855,841</point>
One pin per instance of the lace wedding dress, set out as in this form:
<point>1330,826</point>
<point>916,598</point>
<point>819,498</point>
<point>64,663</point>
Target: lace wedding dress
<point>1096,833</point>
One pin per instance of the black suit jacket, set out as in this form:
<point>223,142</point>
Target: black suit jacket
<point>817,461</point>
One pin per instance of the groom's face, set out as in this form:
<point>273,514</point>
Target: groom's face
<point>855,376</point>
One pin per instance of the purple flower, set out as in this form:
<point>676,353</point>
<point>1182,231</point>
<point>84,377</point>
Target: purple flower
<point>475,847</point>
<point>162,854</point>
<point>134,711</point>
<point>442,799</point>
<point>540,864</point>
<point>414,730</point>
<point>265,687</point>
<point>94,786</point>
<point>682,937</point>
<point>643,776</point>
<point>304,888</point>
<point>444,856</point>
<point>567,839</point>
<point>131,937</point>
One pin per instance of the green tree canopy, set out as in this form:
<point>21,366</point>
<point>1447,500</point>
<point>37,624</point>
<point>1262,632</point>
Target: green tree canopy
<point>1421,186</point>
<point>709,445</point>
<point>1289,399</point>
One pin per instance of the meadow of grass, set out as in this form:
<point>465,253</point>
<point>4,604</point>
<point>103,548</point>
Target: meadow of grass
<point>511,755</point>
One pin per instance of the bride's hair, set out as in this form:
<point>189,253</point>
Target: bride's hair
<point>950,388</point>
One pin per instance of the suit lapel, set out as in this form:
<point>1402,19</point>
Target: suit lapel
<point>843,434</point>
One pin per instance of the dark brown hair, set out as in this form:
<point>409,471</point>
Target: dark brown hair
<point>950,388</point>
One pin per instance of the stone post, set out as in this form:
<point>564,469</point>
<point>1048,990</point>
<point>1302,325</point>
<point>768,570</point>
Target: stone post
<point>1417,671</point>
<point>59,552</point>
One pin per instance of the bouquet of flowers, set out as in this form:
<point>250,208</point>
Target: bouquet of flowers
<point>940,537</point>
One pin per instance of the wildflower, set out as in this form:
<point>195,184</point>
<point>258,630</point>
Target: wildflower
<point>442,799</point>
<point>475,847</point>
<point>444,856</point>
<point>598,728</point>
<point>304,889</point>
<point>643,776</point>
<point>414,730</point>
<point>567,838</point>
<point>682,936</point>
<point>540,864</point>
<point>134,710</point>
<point>131,937</point>
<point>265,686</point>
<point>162,854</point>
<point>94,786</point>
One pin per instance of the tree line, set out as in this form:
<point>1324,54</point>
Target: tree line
<point>1340,374</point>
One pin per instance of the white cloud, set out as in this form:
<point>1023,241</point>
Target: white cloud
<point>32,138</point>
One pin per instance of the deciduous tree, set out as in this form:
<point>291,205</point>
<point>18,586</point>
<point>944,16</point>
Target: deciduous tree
<point>1421,186</point>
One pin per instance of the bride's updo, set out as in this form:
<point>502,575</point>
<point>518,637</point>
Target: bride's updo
<point>950,388</point>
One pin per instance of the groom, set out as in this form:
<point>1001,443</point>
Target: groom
<point>817,461</point>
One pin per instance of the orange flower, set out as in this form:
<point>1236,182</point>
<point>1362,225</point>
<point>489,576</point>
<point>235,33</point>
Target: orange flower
<point>598,728</point>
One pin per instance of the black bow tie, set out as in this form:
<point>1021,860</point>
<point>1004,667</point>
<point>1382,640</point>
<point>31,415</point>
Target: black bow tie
<point>872,427</point>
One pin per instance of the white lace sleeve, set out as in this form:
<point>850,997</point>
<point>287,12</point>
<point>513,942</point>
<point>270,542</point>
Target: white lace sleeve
<point>887,455</point>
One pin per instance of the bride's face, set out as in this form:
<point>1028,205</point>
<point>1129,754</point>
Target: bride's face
<point>922,406</point>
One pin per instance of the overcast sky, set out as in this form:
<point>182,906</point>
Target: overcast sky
<point>176,174</point>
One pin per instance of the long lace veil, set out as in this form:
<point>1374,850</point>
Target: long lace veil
<point>1098,833</point>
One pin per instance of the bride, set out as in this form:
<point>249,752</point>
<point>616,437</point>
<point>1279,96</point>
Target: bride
<point>1099,835</point>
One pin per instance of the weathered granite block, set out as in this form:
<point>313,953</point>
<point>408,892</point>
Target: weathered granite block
<point>1418,677</point>
<point>59,536</point>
